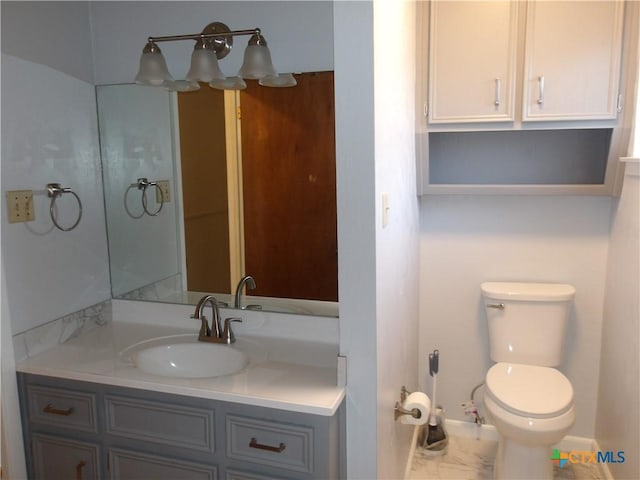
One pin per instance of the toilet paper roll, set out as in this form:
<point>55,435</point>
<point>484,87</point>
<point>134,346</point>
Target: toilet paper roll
<point>420,401</point>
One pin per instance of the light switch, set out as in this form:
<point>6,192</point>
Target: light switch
<point>20,205</point>
<point>163,185</point>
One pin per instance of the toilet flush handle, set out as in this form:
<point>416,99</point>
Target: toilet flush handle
<point>499,306</point>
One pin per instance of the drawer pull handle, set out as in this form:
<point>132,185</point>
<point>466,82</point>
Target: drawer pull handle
<point>79,468</point>
<point>254,444</point>
<point>56,411</point>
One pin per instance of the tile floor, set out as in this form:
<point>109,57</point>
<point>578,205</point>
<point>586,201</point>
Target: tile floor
<point>470,459</point>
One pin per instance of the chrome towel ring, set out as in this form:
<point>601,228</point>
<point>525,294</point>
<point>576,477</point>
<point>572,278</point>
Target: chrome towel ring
<point>54,190</point>
<point>142,184</point>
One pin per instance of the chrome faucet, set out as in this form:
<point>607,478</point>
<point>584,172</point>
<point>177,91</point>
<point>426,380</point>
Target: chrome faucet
<point>219,334</point>
<point>251,284</point>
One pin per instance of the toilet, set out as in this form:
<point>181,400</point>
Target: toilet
<point>528,401</point>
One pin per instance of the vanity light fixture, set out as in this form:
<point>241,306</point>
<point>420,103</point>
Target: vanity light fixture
<point>213,43</point>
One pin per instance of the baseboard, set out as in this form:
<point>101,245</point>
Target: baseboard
<point>460,428</point>
<point>488,432</point>
<point>605,473</point>
<point>412,451</point>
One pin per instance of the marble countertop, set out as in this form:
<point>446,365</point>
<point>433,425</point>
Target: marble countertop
<point>288,374</point>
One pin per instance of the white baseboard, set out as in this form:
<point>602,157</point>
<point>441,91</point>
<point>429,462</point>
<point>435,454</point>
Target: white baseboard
<point>488,432</point>
<point>605,473</point>
<point>412,451</point>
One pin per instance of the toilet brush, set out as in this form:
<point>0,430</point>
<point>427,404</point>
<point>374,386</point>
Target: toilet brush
<point>436,438</point>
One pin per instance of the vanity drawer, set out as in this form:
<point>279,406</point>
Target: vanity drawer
<point>64,408</point>
<point>129,465</point>
<point>55,458</point>
<point>239,475</point>
<point>160,422</point>
<point>275,444</point>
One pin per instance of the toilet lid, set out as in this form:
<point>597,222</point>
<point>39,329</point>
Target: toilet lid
<point>530,390</point>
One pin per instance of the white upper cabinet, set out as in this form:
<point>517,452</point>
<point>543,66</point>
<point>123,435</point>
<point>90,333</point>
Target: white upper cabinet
<point>472,61</point>
<point>572,60</point>
<point>558,60</point>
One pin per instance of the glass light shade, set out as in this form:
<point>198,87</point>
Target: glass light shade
<point>229,83</point>
<point>282,80</point>
<point>204,66</point>
<point>181,86</point>
<point>153,70</point>
<point>257,63</point>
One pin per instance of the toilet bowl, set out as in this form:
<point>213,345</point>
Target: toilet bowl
<point>532,409</point>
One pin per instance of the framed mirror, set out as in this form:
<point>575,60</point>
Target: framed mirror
<point>203,188</point>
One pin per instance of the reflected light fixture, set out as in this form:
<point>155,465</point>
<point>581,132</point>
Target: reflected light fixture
<point>212,44</point>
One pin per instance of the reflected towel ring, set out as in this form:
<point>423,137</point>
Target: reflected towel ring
<point>126,206</point>
<point>54,190</point>
<point>143,184</point>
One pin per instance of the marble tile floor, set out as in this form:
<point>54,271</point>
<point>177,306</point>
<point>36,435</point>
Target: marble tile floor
<point>470,459</point>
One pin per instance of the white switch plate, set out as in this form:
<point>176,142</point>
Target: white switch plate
<point>20,205</point>
<point>166,191</point>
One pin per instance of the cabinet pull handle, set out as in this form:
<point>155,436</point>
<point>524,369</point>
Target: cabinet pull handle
<point>79,468</point>
<point>56,411</point>
<point>540,90</point>
<point>496,102</point>
<point>254,444</point>
<point>619,104</point>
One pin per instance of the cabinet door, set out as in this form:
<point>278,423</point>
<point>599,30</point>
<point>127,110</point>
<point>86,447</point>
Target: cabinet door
<point>572,60</point>
<point>472,61</point>
<point>57,458</point>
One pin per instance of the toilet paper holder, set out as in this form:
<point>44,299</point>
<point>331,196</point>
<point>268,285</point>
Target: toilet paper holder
<point>398,411</point>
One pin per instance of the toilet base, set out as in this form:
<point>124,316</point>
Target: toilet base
<point>519,462</point>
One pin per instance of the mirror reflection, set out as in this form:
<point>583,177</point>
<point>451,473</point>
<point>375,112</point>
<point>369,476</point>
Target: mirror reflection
<point>237,183</point>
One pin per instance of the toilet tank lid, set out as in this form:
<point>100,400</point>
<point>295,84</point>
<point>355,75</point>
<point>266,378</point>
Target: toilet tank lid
<point>528,291</point>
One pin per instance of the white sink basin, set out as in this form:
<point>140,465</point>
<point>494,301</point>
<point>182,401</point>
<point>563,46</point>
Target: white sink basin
<point>186,359</point>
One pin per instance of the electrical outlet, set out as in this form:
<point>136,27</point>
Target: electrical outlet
<point>20,204</point>
<point>166,191</point>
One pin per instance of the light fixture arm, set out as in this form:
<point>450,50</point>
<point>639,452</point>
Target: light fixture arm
<point>203,36</point>
<point>216,36</point>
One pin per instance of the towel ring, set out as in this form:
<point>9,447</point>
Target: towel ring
<point>54,190</point>
<point>143,184</point>
<point>126,206</point>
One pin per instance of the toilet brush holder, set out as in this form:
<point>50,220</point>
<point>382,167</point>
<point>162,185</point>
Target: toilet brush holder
<point>433,437</point>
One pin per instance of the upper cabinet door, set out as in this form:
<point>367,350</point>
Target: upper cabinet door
<point>572,60</point>
<point>472,61</point>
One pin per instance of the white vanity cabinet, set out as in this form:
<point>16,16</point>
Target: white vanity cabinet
<point>472,61</point>
<point>570,59</point>
<point>80,430</point>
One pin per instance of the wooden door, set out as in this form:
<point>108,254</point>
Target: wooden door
<point>289,188</point>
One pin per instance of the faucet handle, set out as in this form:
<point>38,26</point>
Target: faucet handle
<point>227,332</point>
<point>205,331</point>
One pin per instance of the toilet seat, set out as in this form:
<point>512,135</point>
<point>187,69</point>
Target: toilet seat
<point>529,390</point>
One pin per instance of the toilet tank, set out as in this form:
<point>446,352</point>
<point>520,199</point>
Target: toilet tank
<point>527,321</point>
